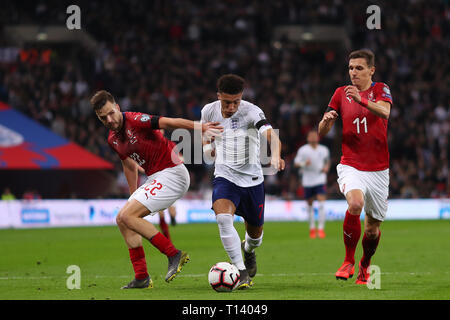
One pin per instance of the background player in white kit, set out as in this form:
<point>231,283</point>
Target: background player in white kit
<point>314,161</point>
<point>238,185</point>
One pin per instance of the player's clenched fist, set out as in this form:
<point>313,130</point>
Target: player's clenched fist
<point>352,92</point>
<point>327,122</point>
<point>330,116</point>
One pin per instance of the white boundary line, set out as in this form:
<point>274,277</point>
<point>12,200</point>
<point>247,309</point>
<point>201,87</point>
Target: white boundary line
<point>205,275</point>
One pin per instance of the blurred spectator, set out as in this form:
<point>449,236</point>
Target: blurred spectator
<point>7,195</point>
<point>31,195</point>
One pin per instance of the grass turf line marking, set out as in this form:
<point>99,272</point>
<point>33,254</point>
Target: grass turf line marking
<point>206,275</point>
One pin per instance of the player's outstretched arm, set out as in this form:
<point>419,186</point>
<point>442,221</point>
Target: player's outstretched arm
<point>180,123</point>
<point>130,169</point>
<point>327,122</point>
<point>275,149</point>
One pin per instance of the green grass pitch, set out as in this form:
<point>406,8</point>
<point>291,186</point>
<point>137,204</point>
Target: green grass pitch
<point>414,258</point>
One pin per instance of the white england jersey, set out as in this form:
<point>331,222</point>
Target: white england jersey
<point>238,148</point>
<point>312,174</point>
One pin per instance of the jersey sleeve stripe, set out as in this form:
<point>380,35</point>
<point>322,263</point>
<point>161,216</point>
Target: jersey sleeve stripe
<point>261,123</point>
<point>155,122</point>
<point>331,109</point>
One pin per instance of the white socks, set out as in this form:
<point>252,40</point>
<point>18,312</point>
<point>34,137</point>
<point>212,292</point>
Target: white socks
<point>312,224</point>
<point>230,239</point>
<point>251,244</point>
<point>322,216</point>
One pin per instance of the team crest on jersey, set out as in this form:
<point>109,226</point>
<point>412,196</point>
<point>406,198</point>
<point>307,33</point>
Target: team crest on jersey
<point>234,123</point>
<point>370,96</point>
<point>386,92</point>
<point>145,117</point>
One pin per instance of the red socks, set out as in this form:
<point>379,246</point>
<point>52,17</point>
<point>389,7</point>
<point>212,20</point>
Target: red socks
<point>164,227</point>
<point>352,233</point>
<point>164,245</point>
<point>137,257</point>
<point>369,248</point>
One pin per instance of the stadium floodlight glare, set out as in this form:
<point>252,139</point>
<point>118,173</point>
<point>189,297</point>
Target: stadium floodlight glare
<point>42,36</point>
<point>307,36</point>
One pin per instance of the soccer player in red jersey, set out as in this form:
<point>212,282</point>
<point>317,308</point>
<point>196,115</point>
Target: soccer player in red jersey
<point>363,172</point>
<point>138,142</point>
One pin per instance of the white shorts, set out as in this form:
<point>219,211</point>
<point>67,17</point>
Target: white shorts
<point>373,184</point>
<point>163,188</point>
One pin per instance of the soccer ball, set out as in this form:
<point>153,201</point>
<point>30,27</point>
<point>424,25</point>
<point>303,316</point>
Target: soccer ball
<point>224,277</point>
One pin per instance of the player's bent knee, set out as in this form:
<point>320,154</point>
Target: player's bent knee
<point>371,233</point>
<point>123,219</point>
<point>355,206</point>
<point>119,220</point>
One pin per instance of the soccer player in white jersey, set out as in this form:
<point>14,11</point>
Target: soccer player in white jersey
<point>238,185</point>
<point>313,159</point>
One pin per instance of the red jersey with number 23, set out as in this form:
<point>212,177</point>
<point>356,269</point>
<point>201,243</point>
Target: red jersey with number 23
<point>142,143</point>
<point>364,134</point>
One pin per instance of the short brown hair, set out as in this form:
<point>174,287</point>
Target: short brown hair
<point>364,53</point>
<point>231,84</point>
<point>100,98</point>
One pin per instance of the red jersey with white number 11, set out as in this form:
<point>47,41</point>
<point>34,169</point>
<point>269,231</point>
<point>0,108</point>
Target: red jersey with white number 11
<point>364,134</point>
<point>144,143</point>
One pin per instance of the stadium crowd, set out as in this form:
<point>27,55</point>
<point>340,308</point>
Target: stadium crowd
<point>163,57</point>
